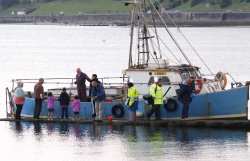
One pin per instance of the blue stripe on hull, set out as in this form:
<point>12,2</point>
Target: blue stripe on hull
<point>224,104</point>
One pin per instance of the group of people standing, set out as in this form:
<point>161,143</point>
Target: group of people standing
<point>156,93</point>
<point>97,96</point>
<point>184,96</point>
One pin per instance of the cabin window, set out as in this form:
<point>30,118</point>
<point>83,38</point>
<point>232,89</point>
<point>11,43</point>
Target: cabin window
<point>165,80</point>
<point>151,80</point>
<point>184,76</point>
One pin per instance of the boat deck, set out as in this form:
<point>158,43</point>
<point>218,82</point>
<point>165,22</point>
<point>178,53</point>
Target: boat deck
<point>143,122</point>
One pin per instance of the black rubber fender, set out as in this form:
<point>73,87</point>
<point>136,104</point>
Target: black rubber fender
<point>171,105</point>
<point>118,110</point>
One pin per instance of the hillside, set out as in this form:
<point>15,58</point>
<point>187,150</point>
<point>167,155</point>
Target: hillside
<point>72,7</point>
<point>116,6</point>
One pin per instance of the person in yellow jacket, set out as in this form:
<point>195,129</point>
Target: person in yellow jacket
<point>157,94</point>
<point>133,101</point>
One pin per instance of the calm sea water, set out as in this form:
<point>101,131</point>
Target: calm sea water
<point>62,142</point>
<point>30,51</point>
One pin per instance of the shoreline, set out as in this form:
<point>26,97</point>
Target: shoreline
<point>182,19</point>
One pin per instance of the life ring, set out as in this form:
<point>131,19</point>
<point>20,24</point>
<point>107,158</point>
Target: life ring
<point>118,111</point>
<point>220,76</point>
<point>171,105</point>
<point>200,84</point>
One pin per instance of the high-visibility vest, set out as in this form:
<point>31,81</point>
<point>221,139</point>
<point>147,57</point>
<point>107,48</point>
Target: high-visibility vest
<point>156,93</point>
<point>133,94</point>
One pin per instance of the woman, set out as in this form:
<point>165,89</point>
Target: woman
<point>19,98</point>
<point>133,101</point>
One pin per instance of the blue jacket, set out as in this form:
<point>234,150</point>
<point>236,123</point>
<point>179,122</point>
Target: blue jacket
<point>98,91</point>
<point>185,93</point>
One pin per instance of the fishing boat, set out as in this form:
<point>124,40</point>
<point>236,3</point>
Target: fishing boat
<point>213,100</point>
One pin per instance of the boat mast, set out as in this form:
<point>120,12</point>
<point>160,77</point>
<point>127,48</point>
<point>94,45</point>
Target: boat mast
<point>130,62</point>
<point>139,11</point>
<point>142,43</point>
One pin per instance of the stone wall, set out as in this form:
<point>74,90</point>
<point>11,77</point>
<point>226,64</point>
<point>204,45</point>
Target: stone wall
<point>180,18</point>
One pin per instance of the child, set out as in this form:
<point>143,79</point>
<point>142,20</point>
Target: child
<point>51,102</point>
<point>64,103</point>
<point>76,107</point>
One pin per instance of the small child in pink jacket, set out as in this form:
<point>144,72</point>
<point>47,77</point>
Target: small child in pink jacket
<point>51,102</point>
<point>76,107</point>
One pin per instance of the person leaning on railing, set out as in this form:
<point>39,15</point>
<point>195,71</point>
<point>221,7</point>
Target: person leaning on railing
<point>80,83</point>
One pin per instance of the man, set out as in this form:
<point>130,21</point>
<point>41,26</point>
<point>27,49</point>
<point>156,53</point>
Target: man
<point>98,95</point>
<point>81,86</point>
<point>38,94</point>
<point>157,94</point>
<point>94,78</point>
<point>184,96</point>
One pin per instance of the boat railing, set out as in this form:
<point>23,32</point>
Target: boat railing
<point>9,104</point>
<point>69,83</point>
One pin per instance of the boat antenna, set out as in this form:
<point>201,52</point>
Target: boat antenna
<point>186,39</point>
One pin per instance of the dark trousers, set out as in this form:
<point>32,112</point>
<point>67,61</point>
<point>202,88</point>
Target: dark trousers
<point>185,110</point>
<point>38,108</point>
<point>81,91</point>
<point>18,111</point>
<point>64,112</point>
<point>155,109</point>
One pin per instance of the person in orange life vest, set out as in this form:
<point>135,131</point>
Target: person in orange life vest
<point>19,98</point>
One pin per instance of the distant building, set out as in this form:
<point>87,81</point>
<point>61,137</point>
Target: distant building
<point>21,13</point>
<point>25,11</point>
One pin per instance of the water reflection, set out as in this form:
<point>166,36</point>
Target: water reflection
<point>64,128</point>
<point>50,128</point>
<point>38,131</point>
<point>133,142</point>
<point>133,133</point>
<point>19,128</point>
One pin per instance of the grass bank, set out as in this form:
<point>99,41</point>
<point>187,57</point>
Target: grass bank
<point>73,7</point>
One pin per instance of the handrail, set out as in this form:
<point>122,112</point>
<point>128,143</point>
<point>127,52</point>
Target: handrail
<point>20,79</point>
<point>10,111</point>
